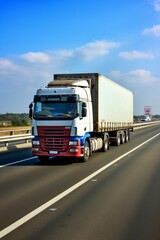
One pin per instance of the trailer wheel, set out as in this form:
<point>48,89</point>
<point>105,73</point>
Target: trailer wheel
<point>126,137</point>
<point>122,138</point>
<point>105,145</point>
<point>43,159</point>
<point>118,140</point>
<point>86,152</point>
<point>129,136</point>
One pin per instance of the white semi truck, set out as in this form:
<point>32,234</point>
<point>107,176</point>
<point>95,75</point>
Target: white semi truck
<point>78,114</point>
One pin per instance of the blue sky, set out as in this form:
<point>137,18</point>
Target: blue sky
<point>119,39</point>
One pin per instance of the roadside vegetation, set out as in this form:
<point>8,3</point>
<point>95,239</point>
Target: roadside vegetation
<point>14,119</point>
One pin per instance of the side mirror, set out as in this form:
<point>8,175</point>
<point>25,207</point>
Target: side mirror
<point>30,110</point>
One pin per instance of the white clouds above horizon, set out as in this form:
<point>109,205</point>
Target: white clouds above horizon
<point>7,64</point>
<point>156,5</point>
<point>36,57</point>
<point>42,64</point>
<point>7,67</point>
<point>138,76</point>
<point>88,52</point>
<point>96,49</point>
<point>55,60</point>
<point>136,55</point>
<point>155,31</point>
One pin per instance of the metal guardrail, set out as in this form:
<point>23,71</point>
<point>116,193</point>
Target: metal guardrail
<point>15,135</point>
<point>4,140</point>
<point>13,131</point>
<point>19,137</point>
<point>137,125</point>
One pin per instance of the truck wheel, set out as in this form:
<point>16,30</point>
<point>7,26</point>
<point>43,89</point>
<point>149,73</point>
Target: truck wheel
<point>122,138</point>
<point>43,159</point>
<point>129,136</point>
<point>86,152</point>
<point>105,145</point>
<point>118,140</point>
<point>126,136</point>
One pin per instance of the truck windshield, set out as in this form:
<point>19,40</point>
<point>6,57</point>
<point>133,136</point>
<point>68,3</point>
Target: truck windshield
<point>55,110</point>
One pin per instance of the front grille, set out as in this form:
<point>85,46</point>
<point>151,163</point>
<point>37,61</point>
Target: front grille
<point>54,138</point>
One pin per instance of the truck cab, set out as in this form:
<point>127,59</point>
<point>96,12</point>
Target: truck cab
<point>61,119</point>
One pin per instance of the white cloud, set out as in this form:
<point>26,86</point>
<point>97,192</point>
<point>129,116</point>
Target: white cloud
<point>89,52</point>
<point>156,4</point>
<point>155,30</point>
<point>7,64</point>
<point>139,76</point>
<point>96,49</point>
<point>56,60</point>
<point>136,55</point>
<point>142,75</point>
<point>36,57</point>
<point>65,53</point>
<point>7,67</point>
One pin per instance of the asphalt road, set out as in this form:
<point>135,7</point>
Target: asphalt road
<point>114,196</point>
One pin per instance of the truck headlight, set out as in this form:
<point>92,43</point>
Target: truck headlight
<point>74,150</point>
<point>34,142</point>
<point>73,143</point>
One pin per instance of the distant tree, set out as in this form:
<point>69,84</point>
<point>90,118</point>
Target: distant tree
<point>17,119</point>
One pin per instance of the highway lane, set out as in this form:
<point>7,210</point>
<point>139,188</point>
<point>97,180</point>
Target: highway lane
<point>122,202</point>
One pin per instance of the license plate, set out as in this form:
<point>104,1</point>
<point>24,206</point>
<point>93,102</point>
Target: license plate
<point>53,152</point>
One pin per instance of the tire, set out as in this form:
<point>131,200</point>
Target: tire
<point>122,138</point>
<point>105,145</point>
<point>126,137</point>
<point>85,158</point>
<point>118,142</point>
<point>129,136</point>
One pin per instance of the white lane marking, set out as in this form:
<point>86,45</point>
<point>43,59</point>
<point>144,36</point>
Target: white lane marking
<point>53,209</point>
<point>20,161</point>
<point>46,205</point>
